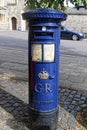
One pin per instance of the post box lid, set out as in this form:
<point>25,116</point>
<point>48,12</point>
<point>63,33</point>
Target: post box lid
<point>44,13</point>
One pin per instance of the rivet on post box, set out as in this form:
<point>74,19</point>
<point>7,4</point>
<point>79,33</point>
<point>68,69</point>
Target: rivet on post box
<point>44,42</point>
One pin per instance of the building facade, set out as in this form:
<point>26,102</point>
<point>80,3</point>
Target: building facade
<point>77,20</point>
<point>10,15</point>
<point>11,18</point>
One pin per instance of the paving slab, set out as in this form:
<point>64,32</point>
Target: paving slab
<point>14,89</point>
<point>14,106</point>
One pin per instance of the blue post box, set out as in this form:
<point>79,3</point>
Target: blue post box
<point>44,42</point>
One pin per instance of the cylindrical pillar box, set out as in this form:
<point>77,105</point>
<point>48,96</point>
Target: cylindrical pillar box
<point>44,42</point>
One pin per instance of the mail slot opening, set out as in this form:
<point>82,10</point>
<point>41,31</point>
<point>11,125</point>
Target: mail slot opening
<point>43,35</point>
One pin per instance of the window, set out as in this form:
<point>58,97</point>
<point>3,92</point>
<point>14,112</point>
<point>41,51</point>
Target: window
<point>43,52</point>
<point>11,2</point>
<point>2,18</point>
<point>1,2</point>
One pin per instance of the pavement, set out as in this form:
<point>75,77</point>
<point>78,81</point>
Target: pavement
<point>14,89</point>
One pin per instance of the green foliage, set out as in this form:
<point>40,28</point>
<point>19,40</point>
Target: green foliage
<point>79,3</point>
<point>54,4</point>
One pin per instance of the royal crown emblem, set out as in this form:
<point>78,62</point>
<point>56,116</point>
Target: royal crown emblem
<point>43,75</point>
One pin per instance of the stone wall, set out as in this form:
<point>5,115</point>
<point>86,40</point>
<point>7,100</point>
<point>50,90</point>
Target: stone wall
<point>16,11</point>
<point>77,19</point>
<point>12,10</point>
<point>77,22</point>
<point>4,26</point>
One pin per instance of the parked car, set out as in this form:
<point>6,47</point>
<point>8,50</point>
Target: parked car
<point>69,34</point>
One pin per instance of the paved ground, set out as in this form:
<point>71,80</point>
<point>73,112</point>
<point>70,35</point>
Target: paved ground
<point>14,84</point>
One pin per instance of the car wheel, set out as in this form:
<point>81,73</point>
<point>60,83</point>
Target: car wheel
<point>75,37</point>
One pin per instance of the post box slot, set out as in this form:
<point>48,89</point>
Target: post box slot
<point>45,35</point>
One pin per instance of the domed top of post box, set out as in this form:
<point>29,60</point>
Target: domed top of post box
<point>44,13</point>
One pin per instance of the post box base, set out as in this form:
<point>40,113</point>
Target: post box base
<point>43,120</point>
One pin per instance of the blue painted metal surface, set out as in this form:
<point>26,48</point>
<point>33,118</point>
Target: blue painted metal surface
<point>45,13</point>
<point>44,33</point>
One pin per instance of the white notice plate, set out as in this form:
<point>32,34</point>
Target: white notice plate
<point>49,52</point>
<point>36,52</point>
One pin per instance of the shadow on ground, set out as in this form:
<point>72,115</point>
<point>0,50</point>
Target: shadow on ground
<point>16,107</point>
<point>19,110</point>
